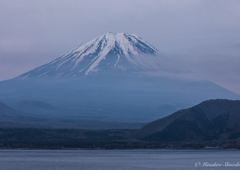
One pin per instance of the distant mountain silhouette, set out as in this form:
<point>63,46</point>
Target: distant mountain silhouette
<point>210,120</point>
<point>7,111</point>
<point>11,118</point>
<point>29,104</point>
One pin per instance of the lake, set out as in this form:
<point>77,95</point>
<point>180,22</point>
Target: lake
<point>118,159</point>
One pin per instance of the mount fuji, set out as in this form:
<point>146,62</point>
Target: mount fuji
<point>111,52</point>
<point>107,79</point>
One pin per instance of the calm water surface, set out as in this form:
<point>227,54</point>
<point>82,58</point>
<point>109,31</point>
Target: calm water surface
<point>118,159</point>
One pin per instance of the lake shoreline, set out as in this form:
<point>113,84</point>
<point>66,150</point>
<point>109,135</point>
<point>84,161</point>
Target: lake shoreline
<point>52,139</point>
<point>118,146</point>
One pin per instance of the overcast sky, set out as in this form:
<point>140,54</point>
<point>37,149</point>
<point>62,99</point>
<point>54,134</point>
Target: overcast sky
<point>201,35</point>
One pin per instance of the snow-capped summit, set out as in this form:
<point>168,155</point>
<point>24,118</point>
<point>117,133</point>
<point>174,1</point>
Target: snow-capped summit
<point>108,52</point>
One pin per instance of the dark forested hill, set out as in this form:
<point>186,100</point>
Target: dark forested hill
<point>210,120</point>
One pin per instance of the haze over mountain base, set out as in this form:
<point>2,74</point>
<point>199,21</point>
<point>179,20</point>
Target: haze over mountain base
<point>111,98</point>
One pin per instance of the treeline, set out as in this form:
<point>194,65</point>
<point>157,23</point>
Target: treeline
<point>32,138</point>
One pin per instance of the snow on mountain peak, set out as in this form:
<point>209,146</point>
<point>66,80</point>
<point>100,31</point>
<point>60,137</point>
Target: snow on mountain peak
<point>108,52</point>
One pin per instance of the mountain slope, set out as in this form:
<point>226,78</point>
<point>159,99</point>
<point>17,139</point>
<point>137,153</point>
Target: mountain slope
<point>6,111</point>
<point>107,53</point>
<point>108,79</point>
<point>29,105</point>
<point>212,119</point>
<point>11,118</point>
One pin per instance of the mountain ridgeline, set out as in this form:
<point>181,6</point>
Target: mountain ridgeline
<point>34,114</point>
<point>112,78</point>
<point>210,120</point>
<point>107,53</point>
